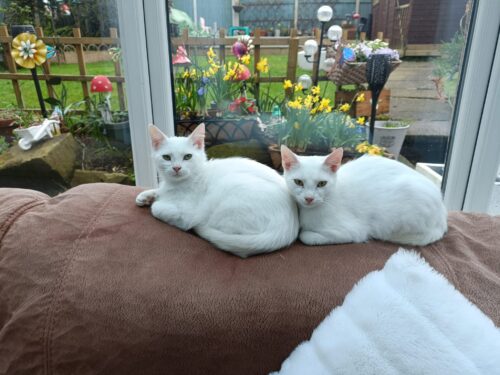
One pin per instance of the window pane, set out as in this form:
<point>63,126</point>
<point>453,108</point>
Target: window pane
<point>81,85</point>
<point>249,72</point>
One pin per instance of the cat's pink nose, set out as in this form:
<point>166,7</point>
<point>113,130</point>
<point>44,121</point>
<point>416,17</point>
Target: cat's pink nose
<point>176,169</point>
<point>309,200</point>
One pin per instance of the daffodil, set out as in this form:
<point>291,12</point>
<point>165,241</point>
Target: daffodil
<point>211,53</point>
<point>367,148</point>
<point>263,66</point>
<point>295,104</point>
<point>27,51</point>
<point>185,74</point>
<point>361,120</point>
<point>360,98</point>
<point>315,90</point>
<point>345,107</point>
<point>245,59</point>
<point>287,84</point>
<point>298,87</point>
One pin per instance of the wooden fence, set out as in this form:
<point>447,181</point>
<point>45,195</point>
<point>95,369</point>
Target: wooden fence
<point>291,42</point>
<point>78,42</point>
<point>223,42</point>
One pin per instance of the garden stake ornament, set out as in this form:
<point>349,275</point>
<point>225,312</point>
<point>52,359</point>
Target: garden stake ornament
<point>378,68</point>
<point>28,52</point>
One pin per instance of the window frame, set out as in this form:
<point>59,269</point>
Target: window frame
<point>473,157</point>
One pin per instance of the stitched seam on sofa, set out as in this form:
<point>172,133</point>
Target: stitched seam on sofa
<point>56,293</point>
<point>14,216</point>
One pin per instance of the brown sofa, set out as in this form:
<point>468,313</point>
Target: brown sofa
<point>92,284</point>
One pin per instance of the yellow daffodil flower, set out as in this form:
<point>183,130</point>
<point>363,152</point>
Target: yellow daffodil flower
<point>298,87</point>
<point>27,51</point>
<point>295,104</point>
<point>287,84</point>
<point>245,59</point>
<point>345,107</point>
<point>185,74</point>
<point>211,53</point>
<point>361,120</point>
<point>263,66</point>
<point>360,98</point>
<point>315,90</point>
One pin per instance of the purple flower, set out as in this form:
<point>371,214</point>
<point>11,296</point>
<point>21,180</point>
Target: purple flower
<point>365,50</point>
<point>201,91</point>
<point>388,51</point>
<point>239,49</point>
<point>204,80</point>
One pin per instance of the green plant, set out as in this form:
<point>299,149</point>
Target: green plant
<point>4,145</point>
<point>447,68</point>
<point>310,122</point>
<point>15,14</point>
<point>396,124</point>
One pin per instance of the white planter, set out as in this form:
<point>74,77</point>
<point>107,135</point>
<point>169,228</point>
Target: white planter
<point>390,138</point>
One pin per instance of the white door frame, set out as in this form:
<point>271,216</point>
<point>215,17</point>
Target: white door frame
<point>144,42</point>
<point>473,158</point>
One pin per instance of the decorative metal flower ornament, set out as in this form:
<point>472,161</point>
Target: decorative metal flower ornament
<point>28,51</point>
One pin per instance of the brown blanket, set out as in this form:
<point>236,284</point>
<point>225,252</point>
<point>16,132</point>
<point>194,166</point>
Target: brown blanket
<point>92,284</point>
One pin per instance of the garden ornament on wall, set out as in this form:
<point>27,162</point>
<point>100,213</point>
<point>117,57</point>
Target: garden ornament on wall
<point>378,68</point>
<point>102,85</point>
<point>30,52</point>
<point>47,129</point>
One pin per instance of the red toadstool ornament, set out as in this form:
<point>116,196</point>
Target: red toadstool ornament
<point>102,85</point>
<point>181,57</point>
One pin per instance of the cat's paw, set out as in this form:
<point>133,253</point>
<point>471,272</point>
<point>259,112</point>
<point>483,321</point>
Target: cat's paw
<point>313,238</point>
<point>146,198</point>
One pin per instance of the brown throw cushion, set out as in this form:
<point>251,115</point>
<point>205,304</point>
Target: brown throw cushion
<point>92,284</point>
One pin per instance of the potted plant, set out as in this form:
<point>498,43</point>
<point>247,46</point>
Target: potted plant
<point>390,134</point>
<point>115,124</point>
<point>350,61</point>
<point>311,126</point>
<point>8,122</point>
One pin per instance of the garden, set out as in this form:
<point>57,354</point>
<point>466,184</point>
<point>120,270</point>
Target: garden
<point>251,98</point>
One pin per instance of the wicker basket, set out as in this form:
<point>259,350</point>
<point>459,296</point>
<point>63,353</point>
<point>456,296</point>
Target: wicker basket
<point>351,73</point>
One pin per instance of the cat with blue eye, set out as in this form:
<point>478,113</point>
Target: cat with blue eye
<point>238,204</point>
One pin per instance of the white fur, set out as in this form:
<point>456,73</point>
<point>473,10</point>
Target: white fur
<point>371,197</point>
<point>403,319</point>
<point>239,205</point>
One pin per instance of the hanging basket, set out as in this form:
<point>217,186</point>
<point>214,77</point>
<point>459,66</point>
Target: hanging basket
<point>351,73</point>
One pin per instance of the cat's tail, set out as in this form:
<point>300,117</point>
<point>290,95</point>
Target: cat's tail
<point>245,245</point>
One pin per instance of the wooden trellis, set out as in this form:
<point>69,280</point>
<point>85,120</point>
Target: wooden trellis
<point>78,42</point>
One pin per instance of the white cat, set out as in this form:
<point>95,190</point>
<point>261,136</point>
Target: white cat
<point>238,204</point>
<point>371,197</point>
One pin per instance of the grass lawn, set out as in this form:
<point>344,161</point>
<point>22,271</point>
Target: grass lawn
<point>277,65</point>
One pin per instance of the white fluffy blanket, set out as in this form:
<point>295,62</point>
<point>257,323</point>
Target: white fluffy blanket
<point>404,319</point>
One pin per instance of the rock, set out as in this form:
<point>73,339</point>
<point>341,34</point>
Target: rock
<point>47,167</point>
<point>252,149</point>
<point>88,176</point>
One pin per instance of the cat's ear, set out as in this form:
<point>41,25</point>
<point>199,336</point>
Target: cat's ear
<point>334,159</point>
<point>288,158</point>
<point>157,137</point>
<point>198,136</point>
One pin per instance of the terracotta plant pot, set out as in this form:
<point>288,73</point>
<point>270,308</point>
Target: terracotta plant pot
<point>7,127</point>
